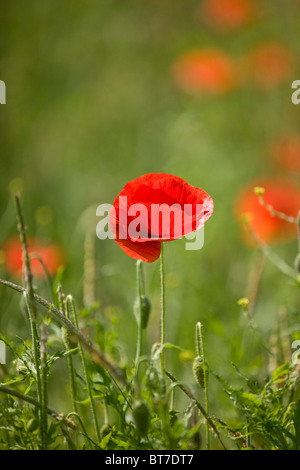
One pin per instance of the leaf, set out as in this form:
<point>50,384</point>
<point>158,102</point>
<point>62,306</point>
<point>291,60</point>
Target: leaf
<point>252,385</point>
<point>281,371</point>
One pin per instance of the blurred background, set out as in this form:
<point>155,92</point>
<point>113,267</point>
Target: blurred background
<point>101,92</point>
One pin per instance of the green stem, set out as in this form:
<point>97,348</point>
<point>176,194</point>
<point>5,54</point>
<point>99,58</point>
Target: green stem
<point>70,303</point>
<point>44,397</point>
<point>28,277</point>
<point>201,352</point>
<point>139,318</point>
<point>63,308</point>
<point>36,353</point>
<point>163,309</point>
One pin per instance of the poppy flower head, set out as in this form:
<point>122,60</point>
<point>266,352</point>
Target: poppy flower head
<point>283,197</point>
<point>270,64</point>
<point>51,255</point>
<point>226,15</point>
<point>286,152</point>
<point>206,71</point>
<point>157,207</point>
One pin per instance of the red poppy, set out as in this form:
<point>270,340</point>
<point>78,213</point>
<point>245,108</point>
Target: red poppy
<point>270,64</point>
<point>205,71</point>
<point>227,14</point>
<point>286,152</point>
<point>283,197</point>
<point>167,207</point>
<point>51,255</point>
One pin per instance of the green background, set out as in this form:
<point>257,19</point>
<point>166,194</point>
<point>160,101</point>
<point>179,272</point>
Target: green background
<point>91,104</point>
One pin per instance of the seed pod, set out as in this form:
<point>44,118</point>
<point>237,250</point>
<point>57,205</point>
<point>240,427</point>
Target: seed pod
<point>198,371</point>
<point>32,425</point>
<point>69,339</point>
<point>141,416</point>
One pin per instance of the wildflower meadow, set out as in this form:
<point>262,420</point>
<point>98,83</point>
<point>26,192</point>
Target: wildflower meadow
<point>150,228</point>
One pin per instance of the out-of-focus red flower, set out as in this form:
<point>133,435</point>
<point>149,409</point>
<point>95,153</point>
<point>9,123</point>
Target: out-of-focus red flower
<point>283,196</point>
<point>168,208</point>
<point>225,15</point>
<point>286,152</point>
<point>206,71</point>
<point>51,254</point>
<point>270,64</point>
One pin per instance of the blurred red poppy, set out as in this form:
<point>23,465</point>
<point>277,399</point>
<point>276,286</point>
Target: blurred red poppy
<point>226,15</point>
<point>167,207</point>
<point>205,71</point>
<point>51,255</point>
<point>283,197</point>
<point>270,64</point>
<point>286,152</point>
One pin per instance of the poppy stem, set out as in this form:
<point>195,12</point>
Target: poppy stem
<point>139,282</point>
<point>163,309</point>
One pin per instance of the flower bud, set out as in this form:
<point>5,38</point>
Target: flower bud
<point>259,191</point>
<point>141,416</point>
<point>198,370</point>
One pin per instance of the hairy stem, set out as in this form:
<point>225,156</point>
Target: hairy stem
<point>200,349</point>
<point>163,309</point>
<point>139,318</point>
<point>44,393</point>
<point>69,357</point>
<point>70,304</point>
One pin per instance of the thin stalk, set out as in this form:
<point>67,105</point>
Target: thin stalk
<point>201,352</point>
<point>271,255</point>
<point>36,354</point>
<point>163,309</point>
<point>28,277</point>
<point>69,357</point>
<point>274,212</point>
<point>70,303</point>
<point>44,392</point>
<point>138,319</point>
